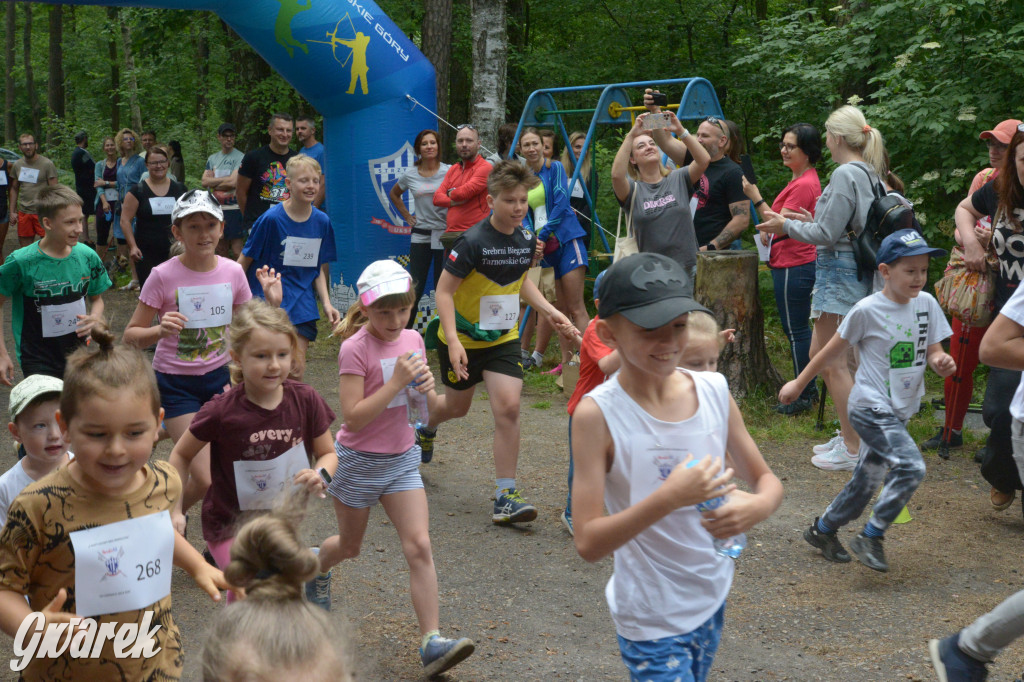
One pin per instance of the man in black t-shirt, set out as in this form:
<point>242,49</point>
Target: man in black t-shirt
<point>84,168</point>
<point>262,173</point>
<point>722,212</point>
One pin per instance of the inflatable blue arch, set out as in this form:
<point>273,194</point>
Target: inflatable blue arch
<point>355,67</point>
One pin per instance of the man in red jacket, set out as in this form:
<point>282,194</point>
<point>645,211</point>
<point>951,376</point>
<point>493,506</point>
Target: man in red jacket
<point>464,188</point>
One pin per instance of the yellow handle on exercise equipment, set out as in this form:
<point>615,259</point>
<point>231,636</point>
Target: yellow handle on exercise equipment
<point>615,109</point>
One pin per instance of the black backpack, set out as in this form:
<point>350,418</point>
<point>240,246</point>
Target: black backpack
<point>888,213</point>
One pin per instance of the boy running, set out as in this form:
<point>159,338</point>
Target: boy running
<point>478,303</point>
<point>898,331</point>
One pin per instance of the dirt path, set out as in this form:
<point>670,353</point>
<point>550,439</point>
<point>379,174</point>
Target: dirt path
<point>537,611</point>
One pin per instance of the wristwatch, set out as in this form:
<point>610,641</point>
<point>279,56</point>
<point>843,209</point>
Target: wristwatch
<point>758,202</point>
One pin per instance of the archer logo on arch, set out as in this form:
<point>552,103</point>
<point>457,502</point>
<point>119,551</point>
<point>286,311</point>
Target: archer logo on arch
<point>384,173</point>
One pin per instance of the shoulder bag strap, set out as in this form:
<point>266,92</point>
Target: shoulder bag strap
<point>629,217</point>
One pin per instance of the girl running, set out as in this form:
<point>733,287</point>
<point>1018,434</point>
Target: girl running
<point>93,539</point>
<point>378,459</point>
<point>262,432</point>
<point>194,295</point>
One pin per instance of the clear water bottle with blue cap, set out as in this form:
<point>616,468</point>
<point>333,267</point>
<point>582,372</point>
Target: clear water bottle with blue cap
<point>416,403</point>
<point>730,547</point>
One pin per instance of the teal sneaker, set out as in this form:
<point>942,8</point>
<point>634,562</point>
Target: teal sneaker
<point>510,507</point>
<point>442,654</point>
<point>318,590</point>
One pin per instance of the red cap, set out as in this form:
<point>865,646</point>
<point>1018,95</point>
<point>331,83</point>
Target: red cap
<point>1002,132</point>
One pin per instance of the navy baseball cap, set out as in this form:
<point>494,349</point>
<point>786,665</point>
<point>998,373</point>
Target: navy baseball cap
<point>903,243</point>
<point>597,284</point>
<point>648,289</point>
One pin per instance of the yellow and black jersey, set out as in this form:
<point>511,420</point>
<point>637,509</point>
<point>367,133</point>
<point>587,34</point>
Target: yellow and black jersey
<point>490,264</point>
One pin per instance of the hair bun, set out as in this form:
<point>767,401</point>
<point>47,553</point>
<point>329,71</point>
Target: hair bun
<point>102,336</point>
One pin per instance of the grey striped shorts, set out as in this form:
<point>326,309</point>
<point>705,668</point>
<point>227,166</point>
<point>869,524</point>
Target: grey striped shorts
<point>362,478</point>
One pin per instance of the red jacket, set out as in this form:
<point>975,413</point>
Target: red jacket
<point>468,183</point>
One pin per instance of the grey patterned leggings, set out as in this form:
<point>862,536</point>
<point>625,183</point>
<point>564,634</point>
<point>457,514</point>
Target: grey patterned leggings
<point>887,453</point>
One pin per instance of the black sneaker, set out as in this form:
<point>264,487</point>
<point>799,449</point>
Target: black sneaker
<point>956,440</point>
<point>828,543</point>
<point>870,552</point>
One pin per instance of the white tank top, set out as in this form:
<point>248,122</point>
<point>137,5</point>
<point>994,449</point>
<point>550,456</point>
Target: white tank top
<point>668,580</point>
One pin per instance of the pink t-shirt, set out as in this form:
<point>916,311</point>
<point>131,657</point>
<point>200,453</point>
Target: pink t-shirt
<point>363,354</point>
<point>194,351</point>
<point>800,193</point>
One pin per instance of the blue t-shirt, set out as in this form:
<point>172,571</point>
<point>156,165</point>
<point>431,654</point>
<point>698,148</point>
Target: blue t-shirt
<point>266,245</point>
<point>317,152</point>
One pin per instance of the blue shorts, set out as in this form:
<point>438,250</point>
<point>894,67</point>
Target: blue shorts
<point>307,330</point>
<point>836,288</point>
<point>567,258</point>
<point>363,478</point>
<point>118,232</point>
<point>679,658</point>
<point>233,227</point>
<point>185,393</point>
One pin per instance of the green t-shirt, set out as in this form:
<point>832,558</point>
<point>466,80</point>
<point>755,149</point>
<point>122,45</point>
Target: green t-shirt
<point>36,283</point>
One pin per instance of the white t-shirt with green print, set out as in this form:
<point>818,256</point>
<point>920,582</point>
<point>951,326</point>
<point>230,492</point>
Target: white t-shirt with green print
<point>892,340</point>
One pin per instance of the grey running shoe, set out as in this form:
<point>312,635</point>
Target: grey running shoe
<point>870,552</point>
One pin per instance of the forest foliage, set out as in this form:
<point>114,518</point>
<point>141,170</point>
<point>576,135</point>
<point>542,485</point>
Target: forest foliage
<point>930,74</point>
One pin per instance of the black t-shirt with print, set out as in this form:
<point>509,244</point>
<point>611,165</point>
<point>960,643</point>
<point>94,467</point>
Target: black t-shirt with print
<point>1007,239</point>
<point>721,185</point>
<point>266,171</point>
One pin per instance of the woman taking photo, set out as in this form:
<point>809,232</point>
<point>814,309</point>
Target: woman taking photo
<point>428,224</point>
<point>107,204</point>
<point>1003,199</point>
<point>656,199</point>
<point>130,167</point>
<point>149,204</point>
<point>577,198</point>
<point>845,202</point>
<point>791,260</point>
<point>555,224</point>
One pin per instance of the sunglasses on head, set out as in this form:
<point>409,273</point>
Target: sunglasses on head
<point>715,121</point>
<point>466,125</point>
<point>194,194</point>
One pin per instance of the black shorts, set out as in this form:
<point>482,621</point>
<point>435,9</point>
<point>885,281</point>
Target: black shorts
<point>504,358</point>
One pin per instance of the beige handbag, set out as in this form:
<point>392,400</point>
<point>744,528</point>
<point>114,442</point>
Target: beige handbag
<point>625,244</point>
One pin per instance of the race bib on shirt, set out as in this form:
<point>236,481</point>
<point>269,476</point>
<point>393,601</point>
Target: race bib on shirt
<point>387,370</point>
<point>62,319</point>
<point>28,175</point>
<point>123,566</point>
<point>161,205</point>
<point>206,306</point>
<point>3,177</point>
<point>258,483</point>
<point>221,172</point>
<point>302,252</point>
<point>577,190</point>
<point>906,386</point>
<point>499,312</point>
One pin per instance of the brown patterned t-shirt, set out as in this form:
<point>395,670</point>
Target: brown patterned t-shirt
<point>37,559</point>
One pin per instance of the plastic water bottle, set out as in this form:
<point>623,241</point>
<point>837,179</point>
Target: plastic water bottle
<point>730,547</point>
<point>416,404</point>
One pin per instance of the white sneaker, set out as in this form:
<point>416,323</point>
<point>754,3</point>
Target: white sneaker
<point>827,447</point>
<point>837,459</point>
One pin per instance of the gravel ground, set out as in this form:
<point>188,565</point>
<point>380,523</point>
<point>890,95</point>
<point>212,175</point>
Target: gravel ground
<point>537,611</point>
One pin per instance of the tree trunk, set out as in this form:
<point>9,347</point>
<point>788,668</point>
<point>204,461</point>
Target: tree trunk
<point>490,57</point>
<point>30,83</point>
<point>437,46</point>
<point>518,43</point>
<point>10,26</point>
<point>55,79</point>
<point>727,286</point>
<point>133,84</point>
<point>115,70</point>
<point>203,71</point>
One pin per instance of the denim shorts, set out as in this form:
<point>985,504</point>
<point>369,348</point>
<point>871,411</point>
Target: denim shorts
<point>836,288</point>
<point>678,658</point>
<point>185,393</point>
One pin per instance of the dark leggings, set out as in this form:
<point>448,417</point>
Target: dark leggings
<point>103,225</point>
<point>421,256</point>
<point>153,254</point>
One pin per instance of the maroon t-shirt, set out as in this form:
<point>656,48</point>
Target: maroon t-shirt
<point>238,429</point>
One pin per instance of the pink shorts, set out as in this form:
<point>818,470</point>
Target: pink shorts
<point>221,553</point>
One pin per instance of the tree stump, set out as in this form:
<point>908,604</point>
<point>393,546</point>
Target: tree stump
<point>727,286</point>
